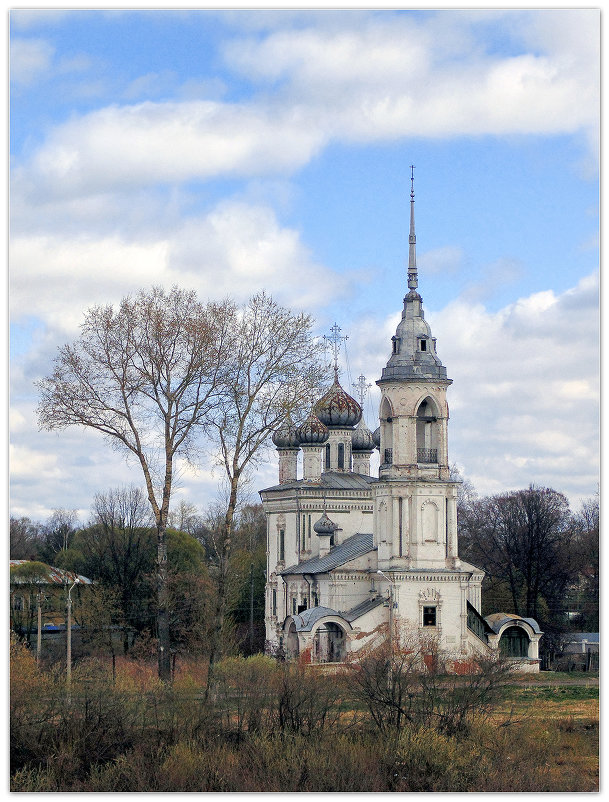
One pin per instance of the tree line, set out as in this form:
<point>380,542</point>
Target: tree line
<point>117,550</point>
<point>541,558</point>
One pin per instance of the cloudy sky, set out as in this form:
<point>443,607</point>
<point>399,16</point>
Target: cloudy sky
<point>230,151</point>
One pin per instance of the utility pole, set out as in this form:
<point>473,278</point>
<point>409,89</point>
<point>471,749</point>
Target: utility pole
<point>39,629</point>
<point>69,643</point>
<point>252,609</point>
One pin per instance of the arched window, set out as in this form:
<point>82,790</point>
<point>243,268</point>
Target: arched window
<point>386,418</point>
<point>341,456</point>
<point>328,457</point>
<point>427,447</point>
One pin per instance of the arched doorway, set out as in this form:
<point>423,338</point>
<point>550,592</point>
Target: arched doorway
<point>292,641</point>
<point>329,644</point>
<point>514,642</point>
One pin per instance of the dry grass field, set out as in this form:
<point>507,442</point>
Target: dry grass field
<point>273,728</point>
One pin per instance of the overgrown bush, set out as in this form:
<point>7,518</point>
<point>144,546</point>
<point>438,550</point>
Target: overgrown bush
<point>415,685</point>
<point>273,727</point>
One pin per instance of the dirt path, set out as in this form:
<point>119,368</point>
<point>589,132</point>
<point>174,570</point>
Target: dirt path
<point>551,679</point>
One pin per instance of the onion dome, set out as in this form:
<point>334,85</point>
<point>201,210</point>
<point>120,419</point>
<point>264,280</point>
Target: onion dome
<point>286,437</point>
<point>361,439</point>
<point>376,437</point>
<point>312,431</point>
<point>325,526</point>
<point>337,409</point>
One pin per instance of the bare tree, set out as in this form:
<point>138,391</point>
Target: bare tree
<point>416,684</point>
<point>118,549</point>
<point>58,533</point>
<point>147,377</point>
<point>185,517</point>
<point>25,538</point>
<point>586,590</point>
<point>274,366</point>
<point>522,538</point>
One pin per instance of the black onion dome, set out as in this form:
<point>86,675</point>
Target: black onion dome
<point>362,438</point>
<point>376,437</point>
<point>312,431</point>
<point>286,437</point>
<point>325,526</point>
<point>337,409</point>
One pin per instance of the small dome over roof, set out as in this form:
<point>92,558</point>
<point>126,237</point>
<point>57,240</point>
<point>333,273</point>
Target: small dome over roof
<point>324,526</point>
<point>376,437</point>
<point>337,409</point>
<point>312,431</point>
<point>362,438</point>
<point>286,437</point>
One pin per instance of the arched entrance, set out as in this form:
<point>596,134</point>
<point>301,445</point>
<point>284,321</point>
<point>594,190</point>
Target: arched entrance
<point>514,642</point>
<point>329,643</point>
<point>292,642</point>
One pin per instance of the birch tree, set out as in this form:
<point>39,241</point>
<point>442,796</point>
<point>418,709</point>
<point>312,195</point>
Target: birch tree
<point>274,368</point>
<point>147,376</point>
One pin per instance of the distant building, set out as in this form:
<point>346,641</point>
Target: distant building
<point>349,553</point>
<point>30,580</point>
<point>579,651</point>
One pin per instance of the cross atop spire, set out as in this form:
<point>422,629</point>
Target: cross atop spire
<point>413,280</point>
<point>362,387</point>
<point>335,339</point>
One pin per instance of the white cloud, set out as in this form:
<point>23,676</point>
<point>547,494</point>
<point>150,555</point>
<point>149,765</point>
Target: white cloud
<point>24,19</point>
<point>28,463</point>
<point>380,79</point>
<point>236,249</point>
<point>30,58</point>
<point>147,143</point>
<point>444,260</point>
<point>525,399</point>
<point>394,77</point>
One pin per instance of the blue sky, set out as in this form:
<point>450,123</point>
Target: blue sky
<point>235,151</point>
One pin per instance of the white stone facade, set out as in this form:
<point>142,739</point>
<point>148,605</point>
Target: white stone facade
<point>349,553</point>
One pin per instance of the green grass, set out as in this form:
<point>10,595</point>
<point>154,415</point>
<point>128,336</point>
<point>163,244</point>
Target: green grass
<point>559,692</point>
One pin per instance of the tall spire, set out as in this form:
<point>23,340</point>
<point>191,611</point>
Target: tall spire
<point>413,281</point>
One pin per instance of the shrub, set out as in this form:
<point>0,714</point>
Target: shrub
<point>414,685</point>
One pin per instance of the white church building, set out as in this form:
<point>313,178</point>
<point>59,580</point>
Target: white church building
<point>352,557</point>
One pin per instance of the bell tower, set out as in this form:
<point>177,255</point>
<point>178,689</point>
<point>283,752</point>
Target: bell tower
<point>415,500</point>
